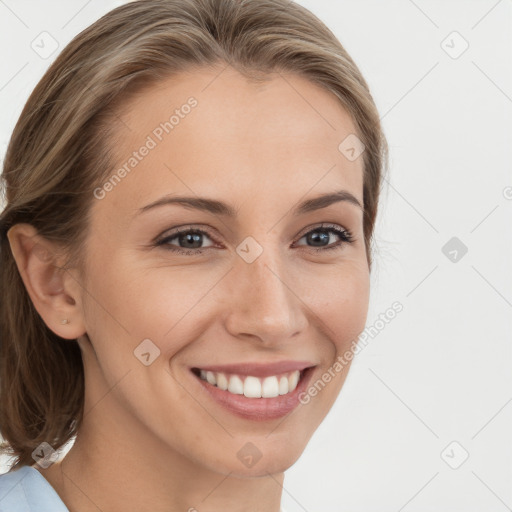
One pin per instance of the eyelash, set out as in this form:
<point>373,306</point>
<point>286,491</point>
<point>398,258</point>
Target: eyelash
<point>344,234</point>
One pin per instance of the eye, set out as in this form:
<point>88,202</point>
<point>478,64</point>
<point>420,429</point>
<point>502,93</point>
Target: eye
<point>321,235</point>
<point>190,240</point>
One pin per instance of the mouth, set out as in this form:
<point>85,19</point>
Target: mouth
<point>251,386</point>
<point>257,393</point>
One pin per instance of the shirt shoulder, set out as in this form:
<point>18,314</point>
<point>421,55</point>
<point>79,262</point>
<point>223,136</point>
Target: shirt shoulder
<point>27,490</point>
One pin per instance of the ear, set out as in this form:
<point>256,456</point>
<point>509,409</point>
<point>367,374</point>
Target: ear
<point>55,292</point>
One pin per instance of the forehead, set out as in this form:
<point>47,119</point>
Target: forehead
<point>213,132</point>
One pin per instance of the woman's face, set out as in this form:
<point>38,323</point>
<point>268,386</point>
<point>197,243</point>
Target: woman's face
<point>251,286</point>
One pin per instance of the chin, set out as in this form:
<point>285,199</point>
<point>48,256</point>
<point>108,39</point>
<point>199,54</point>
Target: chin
<point>263,457</point>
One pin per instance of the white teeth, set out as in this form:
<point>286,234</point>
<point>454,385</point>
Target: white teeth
<point>236,385</point>
<point>270,387</point>
<point>293,381</point>
<point>283,386</point>
<point>253,387</point>
<point>222,381</point>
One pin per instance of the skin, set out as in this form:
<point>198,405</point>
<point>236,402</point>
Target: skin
<point>151,438</point>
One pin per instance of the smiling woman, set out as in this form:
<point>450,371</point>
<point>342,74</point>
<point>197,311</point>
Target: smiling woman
<point>171,318</point>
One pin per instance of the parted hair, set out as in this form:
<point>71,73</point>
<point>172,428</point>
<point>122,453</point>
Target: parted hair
<point>59,153</point>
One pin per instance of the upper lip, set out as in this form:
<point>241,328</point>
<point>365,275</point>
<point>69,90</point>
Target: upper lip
<point>259,369</point>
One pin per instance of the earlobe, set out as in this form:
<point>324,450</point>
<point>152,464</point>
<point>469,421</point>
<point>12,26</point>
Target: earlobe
<point>54,294</point>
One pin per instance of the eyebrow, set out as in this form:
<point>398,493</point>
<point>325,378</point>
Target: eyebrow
<point>220,208</point>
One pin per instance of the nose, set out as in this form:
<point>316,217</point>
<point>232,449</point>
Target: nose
<point>265,303</point>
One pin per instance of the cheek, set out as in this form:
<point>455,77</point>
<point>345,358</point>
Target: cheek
<point>129,302</point>
<point>342,303</point>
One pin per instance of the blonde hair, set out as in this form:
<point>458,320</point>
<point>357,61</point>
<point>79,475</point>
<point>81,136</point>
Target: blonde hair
<point>59,153</point>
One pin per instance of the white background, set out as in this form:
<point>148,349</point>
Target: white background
<point>441,370</point>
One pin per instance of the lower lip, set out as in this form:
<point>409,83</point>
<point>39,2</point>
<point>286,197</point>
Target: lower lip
<point>258,409</point>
